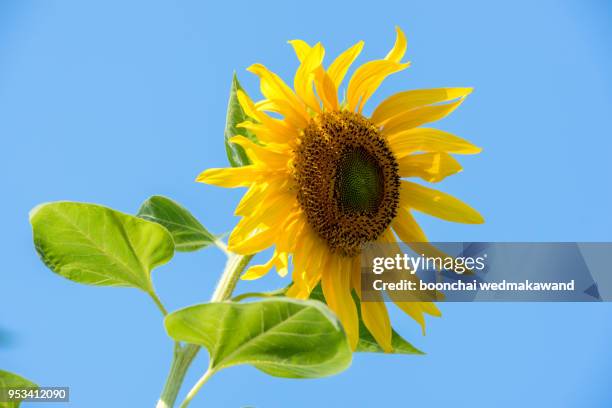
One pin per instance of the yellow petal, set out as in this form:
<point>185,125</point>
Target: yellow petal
<point>231,177</point>
<point>429,140</point>
<point>257,242</point>
<point>366,79</point>
<point>307,267</point>
<point>376,319</point>
<point>419,116</point>
<point>293,291</point>
<point>326,90</point>
<point>399,48</point>
<point>271,213</point>
<point>269,134</point>
<point>338,69</point>
<point>300,257</point>
<point>276,130</point>
<point>278,149</point>
<point>406,227</point>
<point>309,259</point>
<point>336,285</point>
<point>295,119</point>
<point>265,105</point>
<point>274,88</point>
<point>430,308</point>
<point>408,100</point>
<point>292,229</point>
<point>390,248</point>
<point>248,106</point>
<point>414,310</point>
<point>356,275</point>
<point>301,48</point>
<point>278,259</point>
<point>298,290</point>
<point>257,271</point>
<point>431,167</point>
<point>254,197</point>
<point>274,156</point>
<point>312,268</point>
<point>409,231</point>
<point>282,264</point>
<point>305,74</point>
<point>437,204</point>
<point>374,311</point>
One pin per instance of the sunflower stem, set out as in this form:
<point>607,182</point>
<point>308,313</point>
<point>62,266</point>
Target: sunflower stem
<point>227,283</point>
<point>185,354</point>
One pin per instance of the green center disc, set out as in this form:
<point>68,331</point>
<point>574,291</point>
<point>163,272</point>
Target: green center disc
<point>359,182</point>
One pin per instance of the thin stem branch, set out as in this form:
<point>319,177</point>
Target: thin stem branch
<point>194,390</point>
<point>158,302</point>
<point>222,246</point>
<point>249,295</point>
<point>184,355</point>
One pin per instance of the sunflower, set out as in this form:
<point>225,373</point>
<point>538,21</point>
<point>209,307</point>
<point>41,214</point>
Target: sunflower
<point>326,180</point>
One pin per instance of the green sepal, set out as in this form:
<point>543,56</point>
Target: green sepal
<point>236,115</point>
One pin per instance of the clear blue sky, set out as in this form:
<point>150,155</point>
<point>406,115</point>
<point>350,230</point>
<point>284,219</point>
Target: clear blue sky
<point>113,101</point>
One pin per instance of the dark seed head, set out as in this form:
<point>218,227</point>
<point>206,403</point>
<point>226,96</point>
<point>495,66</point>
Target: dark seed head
<point>348,181</point>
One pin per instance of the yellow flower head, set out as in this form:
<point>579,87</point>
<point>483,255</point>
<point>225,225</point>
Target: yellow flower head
<point>325,180</point>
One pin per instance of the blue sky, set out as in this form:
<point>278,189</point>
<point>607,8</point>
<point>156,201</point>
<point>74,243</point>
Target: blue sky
<point>112,101</point>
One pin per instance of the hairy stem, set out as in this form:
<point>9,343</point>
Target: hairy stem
<point>227,283</point>
<point>184,354</point>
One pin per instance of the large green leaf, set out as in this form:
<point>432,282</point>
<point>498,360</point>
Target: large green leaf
<point>367,342</point>
<point>95,245</point>
<point>8,381</point>
<point>236,115</point>
<point>188,233</point>
<point>280,336</point>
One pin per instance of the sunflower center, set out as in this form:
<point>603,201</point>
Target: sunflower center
<point>359,181</point>
<point>348,181</point>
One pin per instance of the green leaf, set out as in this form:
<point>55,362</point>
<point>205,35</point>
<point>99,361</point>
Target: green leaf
<point>95,245</point>
<point>280,336</point>
<point>236,115</point>
<point>367,343</point>
<point>8,381</point>
<point>188,233</point>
